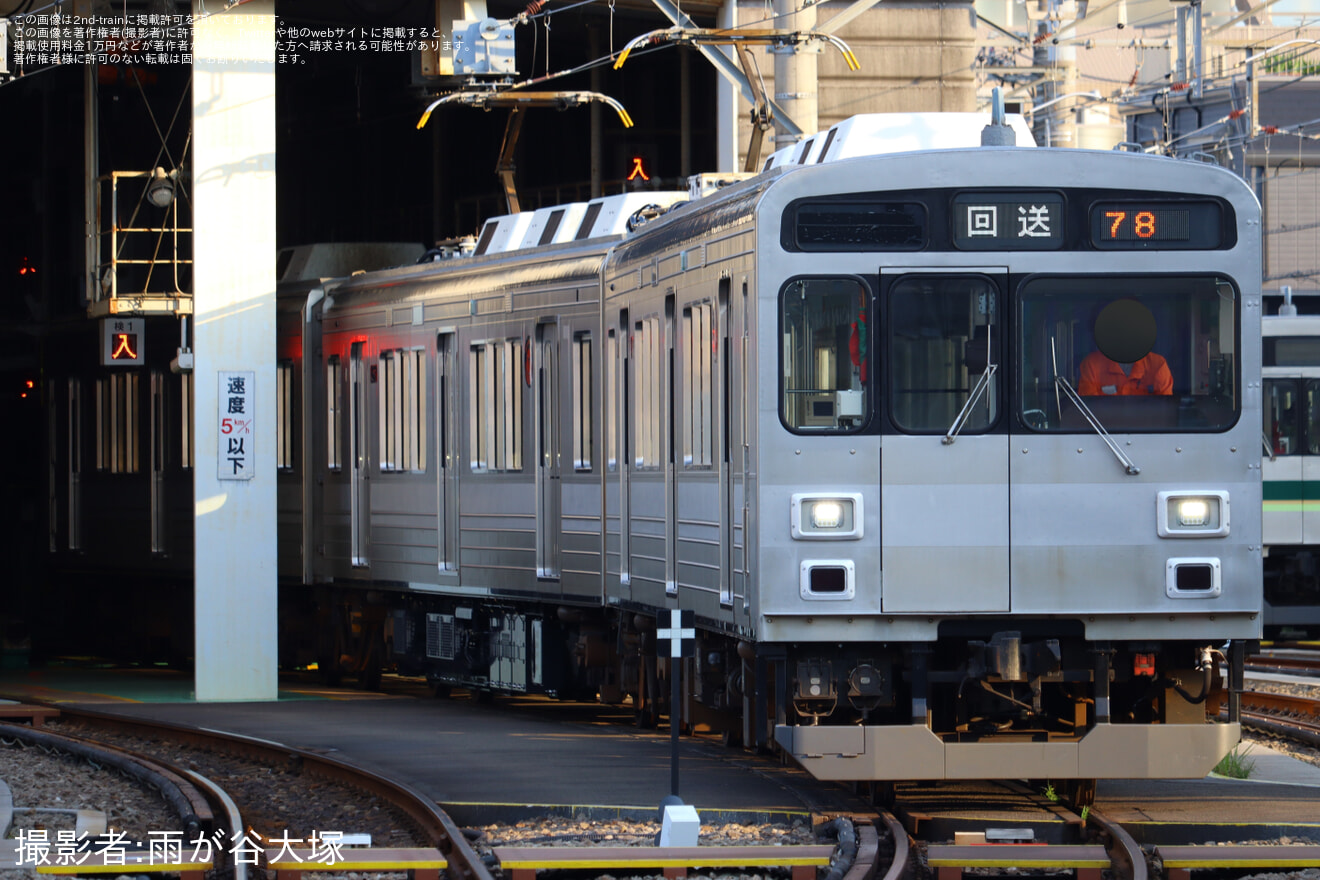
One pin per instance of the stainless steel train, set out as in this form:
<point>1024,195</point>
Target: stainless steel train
<point>1291,470</point>
<point>938,446</point>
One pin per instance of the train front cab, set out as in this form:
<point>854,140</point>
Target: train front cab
<point>976,559</point>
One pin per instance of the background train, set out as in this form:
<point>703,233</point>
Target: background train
<point>839,411</point>
<point>1291,468</point>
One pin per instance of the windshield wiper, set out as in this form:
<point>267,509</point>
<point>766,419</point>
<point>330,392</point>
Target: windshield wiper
<point>977,390</point>
<point>1071,394</point>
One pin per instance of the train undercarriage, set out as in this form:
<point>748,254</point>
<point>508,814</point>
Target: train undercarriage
<point>1031,704</point>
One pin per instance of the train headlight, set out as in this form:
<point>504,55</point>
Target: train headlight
<point>826,517</point>
<point>1193,514</point>
<point>826,514</point>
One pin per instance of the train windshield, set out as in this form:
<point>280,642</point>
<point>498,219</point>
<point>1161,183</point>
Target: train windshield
<point>943,345</point>
<point>825,354</point>
<point>1141,353</point>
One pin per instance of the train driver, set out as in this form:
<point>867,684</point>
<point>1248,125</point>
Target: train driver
<point>1125,361</point>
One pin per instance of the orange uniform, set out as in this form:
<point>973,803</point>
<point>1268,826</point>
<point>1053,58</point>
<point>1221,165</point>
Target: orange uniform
<point>1101,376</point>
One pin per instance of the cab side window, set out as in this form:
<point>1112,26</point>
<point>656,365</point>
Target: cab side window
<point>825,355</point>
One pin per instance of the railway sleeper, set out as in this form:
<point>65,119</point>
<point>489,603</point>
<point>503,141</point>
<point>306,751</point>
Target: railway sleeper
<point>119,863</point>
<point>1179,861</point>
<point>1088,860</point>
<point>522,863</point>
<point>420,863</point>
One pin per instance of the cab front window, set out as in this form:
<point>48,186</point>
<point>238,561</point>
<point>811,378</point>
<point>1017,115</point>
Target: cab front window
<point>1140,353</point>
<point>825,363</point>
<point>944,339</point>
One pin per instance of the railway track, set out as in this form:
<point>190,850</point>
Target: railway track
<point>1285,715</point>
<point>1290,665</point>
<point>197,806</point>
<point>881,848</point>
<point>202,807</point>
<point>205,809</point>
<point>1100,847</point>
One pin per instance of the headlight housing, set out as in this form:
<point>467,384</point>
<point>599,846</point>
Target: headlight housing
<point>1192,514</point>
<point>826,516</point>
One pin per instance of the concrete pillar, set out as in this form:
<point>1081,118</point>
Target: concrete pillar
<point>796,89</point>
<point>726,102</point>
<point>233,196</point>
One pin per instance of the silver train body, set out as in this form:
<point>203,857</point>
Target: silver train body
<point>837,412</point>
<point>1291,468</point>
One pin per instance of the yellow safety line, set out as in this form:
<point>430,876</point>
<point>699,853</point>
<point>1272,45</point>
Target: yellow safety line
<point>704,861</point>
<point>383,865</point>
<point>987,862</point>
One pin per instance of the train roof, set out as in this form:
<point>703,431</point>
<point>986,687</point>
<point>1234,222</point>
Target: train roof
<point>875,134</point>
<point>544,245</point>
<point>1290,325</point>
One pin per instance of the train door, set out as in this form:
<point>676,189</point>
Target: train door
<point>359,504</point>
<point>666,447</point>
<point>446,433</point>
<point>625,422</point>
<point>649,482</point>
<point>944,473</point>
<point>723,400</point>
<point>548,489</point>
<point>700,509</point>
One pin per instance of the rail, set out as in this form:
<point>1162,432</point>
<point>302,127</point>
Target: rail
<point>1129,862</point>
<point>1291,717</point>
<point>200,804</point>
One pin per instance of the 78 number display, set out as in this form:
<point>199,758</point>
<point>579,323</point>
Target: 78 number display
<point>1167,225</point>
<point>1136,225</point>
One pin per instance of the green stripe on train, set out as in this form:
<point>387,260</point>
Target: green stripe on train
<point>1287,490</point>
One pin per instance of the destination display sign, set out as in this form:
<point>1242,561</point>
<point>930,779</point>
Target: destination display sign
<point>962,219</point>
<point>1004,221</point>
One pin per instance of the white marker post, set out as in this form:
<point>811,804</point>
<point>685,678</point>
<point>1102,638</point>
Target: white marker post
<point>676,641</point>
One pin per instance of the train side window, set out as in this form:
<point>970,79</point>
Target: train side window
<point>944,340</point>
<point>698,386</point>
<point>402,407</point>
<point>1282,410</point>
<point>1144,353</point>
<point>648,349</point>
<point>334,425</point>
<point>75,464</point>
<point>825,355</point>
<point>117,414</point>
<point>495,418</point>
<point>285,410</point>
<point>582,404</point>
<point>186,420</point>
<point>1311,435</point>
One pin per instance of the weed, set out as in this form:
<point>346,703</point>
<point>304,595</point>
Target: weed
<point>1235,764</point>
